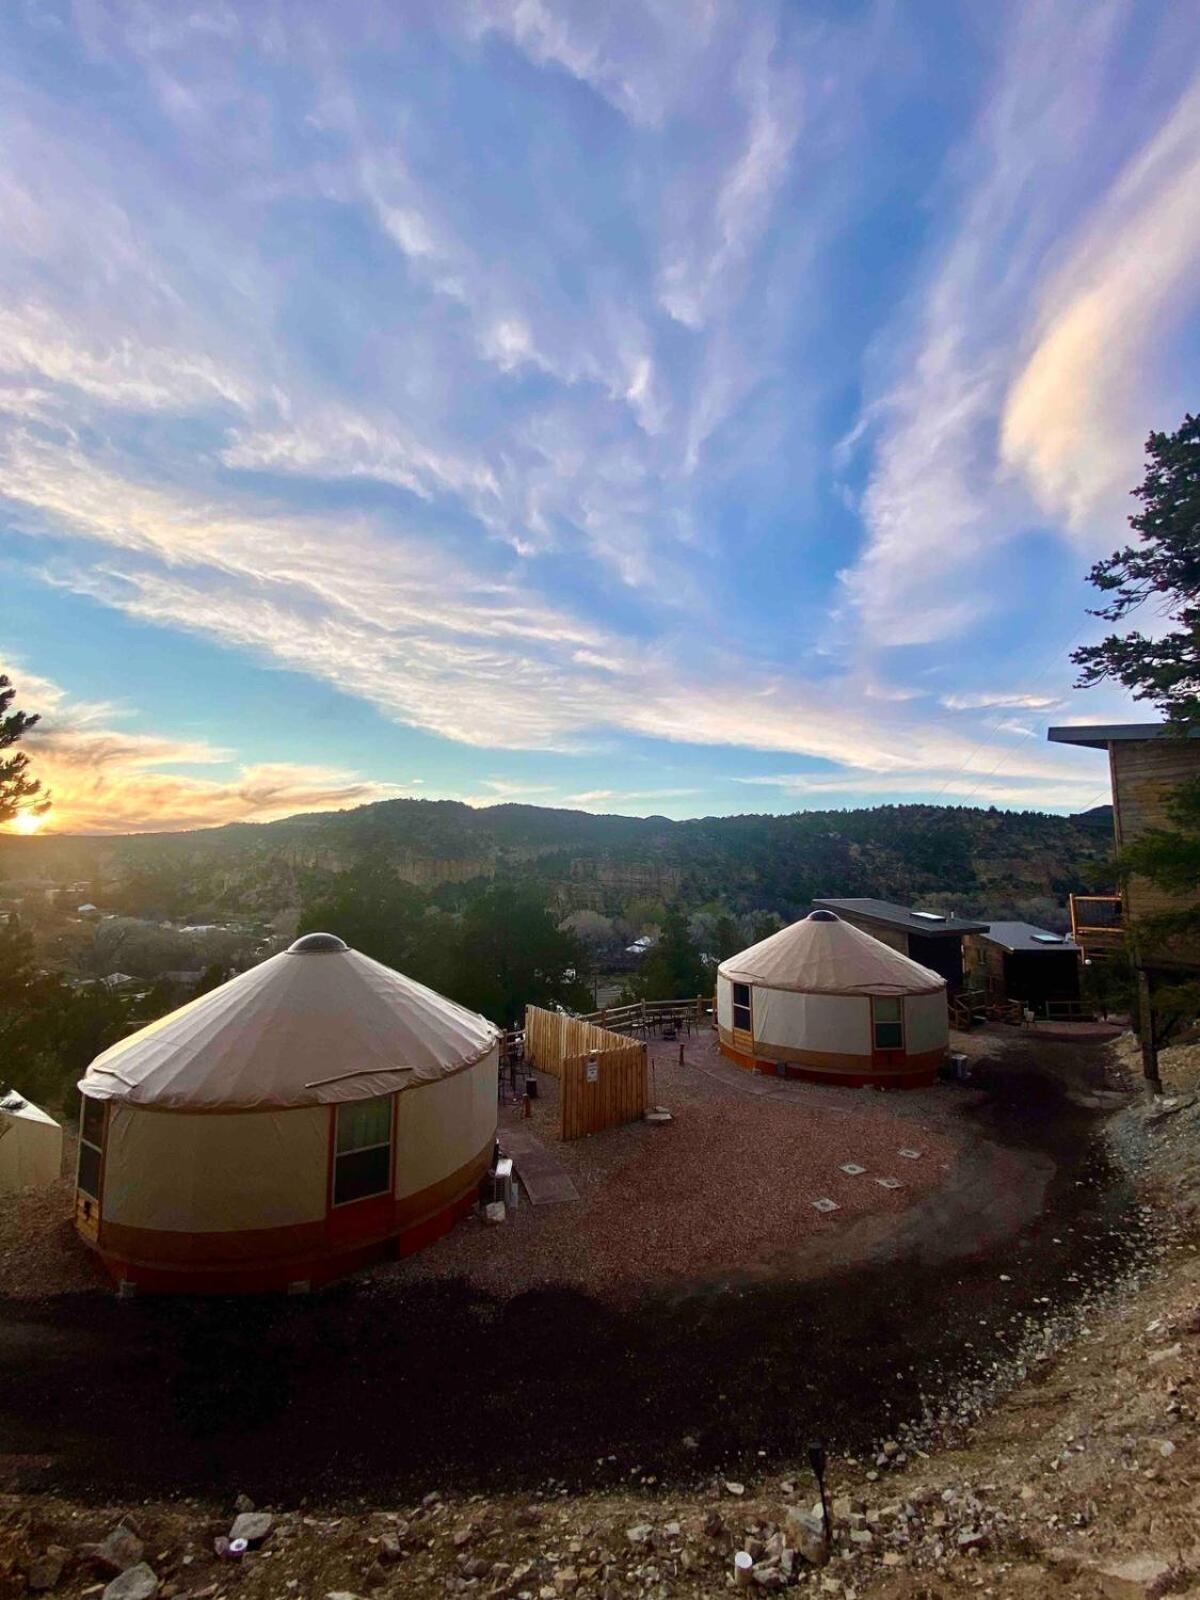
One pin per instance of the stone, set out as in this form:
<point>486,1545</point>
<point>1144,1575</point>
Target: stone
<point>734,1488</point>
<point>1144,1577</point>
<point>566,1580</point>
<point>494,1212</point>
<point>714,1524</point>
<point>462,1537</point>
<point>136,1583</point>
<point>244,1503</point>
<point>640,1533</point>
<point>117,1551</point>
<point>1167,1354</point>
<point>863,1537</point>
<point>971,1539</point>
<point>890,1448</point>
<point>390,1548</point>
<point>253,1526</point>
<point>45,1571</point>
<point>768,1578</point>
<point>807,1534</point>
<point>477,1567</point>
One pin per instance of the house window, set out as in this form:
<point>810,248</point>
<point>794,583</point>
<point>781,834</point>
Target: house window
<point>91,1147</point>
<point>362,1162</point>
<point>741,1006</point>
<point>888,1017</point>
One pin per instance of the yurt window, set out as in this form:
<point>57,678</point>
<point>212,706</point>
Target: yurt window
<point>362,1164</point>
<point>91,1146</point>
<point>741,1006</point>
<point>888,1015</point>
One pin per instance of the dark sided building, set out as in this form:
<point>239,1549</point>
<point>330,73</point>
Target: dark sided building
<point>933,939</point>
<point>1016,961</point>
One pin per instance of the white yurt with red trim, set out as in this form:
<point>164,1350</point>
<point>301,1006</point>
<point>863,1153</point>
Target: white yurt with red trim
<point>313,1113</point>
<point>824,1000</point>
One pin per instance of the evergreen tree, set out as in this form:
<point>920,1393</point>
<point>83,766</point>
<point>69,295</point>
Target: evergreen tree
<point>1163,566</point>
<point>18,791</point>
<point>672,968</point>
<point>510,953</point>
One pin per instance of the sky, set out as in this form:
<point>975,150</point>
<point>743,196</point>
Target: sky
<point>654,406</point>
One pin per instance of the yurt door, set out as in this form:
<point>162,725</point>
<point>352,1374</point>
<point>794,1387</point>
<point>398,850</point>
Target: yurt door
<point>887,1031</point>
<point>89,1173</point>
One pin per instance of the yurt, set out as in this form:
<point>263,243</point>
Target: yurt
<point>31,1145</point>
<point>823,1000</point>
<point>314,1113</point>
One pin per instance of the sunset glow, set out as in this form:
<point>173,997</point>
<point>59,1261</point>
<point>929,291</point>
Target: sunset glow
<point>694,408</point>
<point>28,822</point>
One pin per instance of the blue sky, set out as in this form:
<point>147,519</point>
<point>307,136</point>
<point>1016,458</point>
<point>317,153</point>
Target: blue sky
<point>661,407</point>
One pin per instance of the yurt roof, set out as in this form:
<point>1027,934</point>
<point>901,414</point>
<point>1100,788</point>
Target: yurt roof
<point>318,1023</point>
<point>824,955</point>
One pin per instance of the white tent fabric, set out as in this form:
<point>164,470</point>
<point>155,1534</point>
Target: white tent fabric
<point>308,1027</point>
<point>824,955</point>
<point>30,1145</point>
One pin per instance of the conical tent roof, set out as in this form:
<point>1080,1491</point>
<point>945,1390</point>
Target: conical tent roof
<point>824,955</point>
<point>317,1024</point>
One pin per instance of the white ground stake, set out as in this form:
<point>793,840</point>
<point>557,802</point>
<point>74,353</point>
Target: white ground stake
<point>743,1569</point>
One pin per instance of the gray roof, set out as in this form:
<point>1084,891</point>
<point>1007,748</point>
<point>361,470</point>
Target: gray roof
<point>1099,735</point>
<point>893,916</point>
<point>1023,936</point>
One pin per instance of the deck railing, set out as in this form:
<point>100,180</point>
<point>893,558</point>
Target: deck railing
<point>636,1020</point>
<point>1097,921</point>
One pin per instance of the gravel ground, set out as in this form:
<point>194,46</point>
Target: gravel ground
<point>726,1187</point>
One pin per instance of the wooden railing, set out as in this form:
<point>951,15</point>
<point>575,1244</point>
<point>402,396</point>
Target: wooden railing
<point>637,1019</point>
<point>1097,922</point>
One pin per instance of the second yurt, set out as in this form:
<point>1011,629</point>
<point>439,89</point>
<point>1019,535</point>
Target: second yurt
<point>31,1145</point>
<point>823,1000</point>
<point>314,1113</point>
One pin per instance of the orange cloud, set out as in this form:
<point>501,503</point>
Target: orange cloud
<point>109,780</point>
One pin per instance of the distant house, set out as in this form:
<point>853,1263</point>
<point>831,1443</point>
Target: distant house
<point>640,946</point>
<point>88,910</point>
<point>1016,961</point>
<point>119,980</point>
<point>928,937</point>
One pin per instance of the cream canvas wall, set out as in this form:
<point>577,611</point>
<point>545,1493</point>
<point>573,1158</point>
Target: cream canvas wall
<point>838,1024</point>
<point>926,1024</point>
<point>724,1003</point>
<point>30,1148</point>
<point>441,1126</point>
<point>214,1172</point>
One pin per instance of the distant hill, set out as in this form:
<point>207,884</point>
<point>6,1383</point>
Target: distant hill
<point>972,860</point>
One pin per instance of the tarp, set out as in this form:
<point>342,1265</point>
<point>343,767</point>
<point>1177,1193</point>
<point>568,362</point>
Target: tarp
<point>308,1027</point>
<point>824,955</point>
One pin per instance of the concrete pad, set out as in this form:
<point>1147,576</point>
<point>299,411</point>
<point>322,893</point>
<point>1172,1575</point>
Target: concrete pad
<point>826,1205</point>
<point>889,1183</point>
<point>852,1169</point>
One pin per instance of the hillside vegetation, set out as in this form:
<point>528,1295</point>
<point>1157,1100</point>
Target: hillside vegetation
<point>972,860</point>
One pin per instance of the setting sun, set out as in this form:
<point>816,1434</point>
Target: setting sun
<point>27,822</point>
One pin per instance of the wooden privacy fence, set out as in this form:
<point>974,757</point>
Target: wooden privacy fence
<point>603,1089</point>
<point>552,1036</point>
<point>604,1076</point>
